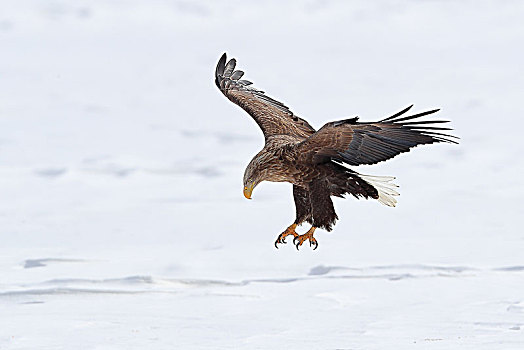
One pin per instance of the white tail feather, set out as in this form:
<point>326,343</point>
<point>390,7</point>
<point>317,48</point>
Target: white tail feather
<point>386,189</point>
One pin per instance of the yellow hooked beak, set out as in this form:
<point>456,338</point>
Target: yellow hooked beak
<point>247,190</point>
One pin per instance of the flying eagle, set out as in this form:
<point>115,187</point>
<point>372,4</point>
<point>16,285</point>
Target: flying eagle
<point>313,161</point>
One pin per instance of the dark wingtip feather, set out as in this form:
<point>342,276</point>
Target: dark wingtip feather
<point>221,64</point>
<point>441,137</point>
<point>227,78</point>
<point>423,127</point>
<point>426,122</point>
<point>245,82</point>
<point>397,114</point>
<point>237,75</point>
<point>230,67</point>
<point>418,127</point>
<point>418,115</point>
<point>219,71</point>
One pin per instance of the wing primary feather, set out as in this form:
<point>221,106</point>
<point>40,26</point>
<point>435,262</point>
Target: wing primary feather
<point>397,114</point>
<point>441,136</point>
<point>415,116</point>
<point>221,64</point>
<point>439,133</point>
<point>237,75</point>
<point>230,67</point>
<point>220,69</point>
<point>426,122</point>
<point>427,128</point>
<point>442,139</point>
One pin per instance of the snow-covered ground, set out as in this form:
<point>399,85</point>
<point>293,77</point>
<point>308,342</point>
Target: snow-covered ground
<point>122,220</point>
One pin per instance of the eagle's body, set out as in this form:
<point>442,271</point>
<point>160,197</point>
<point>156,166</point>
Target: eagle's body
<point>313,160</point>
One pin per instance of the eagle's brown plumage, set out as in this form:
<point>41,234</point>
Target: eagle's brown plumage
<point>313,160</point>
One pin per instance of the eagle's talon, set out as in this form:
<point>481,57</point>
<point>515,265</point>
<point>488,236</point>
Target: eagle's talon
<point>290,231</point>
<point>308,236</point>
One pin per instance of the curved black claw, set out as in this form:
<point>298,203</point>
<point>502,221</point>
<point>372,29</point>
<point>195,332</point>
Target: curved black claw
<point>281,239</point>
<point>312,241</point>
<point>295,243</point>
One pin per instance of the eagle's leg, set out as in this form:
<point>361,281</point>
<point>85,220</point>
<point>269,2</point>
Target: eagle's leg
<point>290,231</point>
<point>298,240</point>
<point>303,211</point>
<point>321,213</point>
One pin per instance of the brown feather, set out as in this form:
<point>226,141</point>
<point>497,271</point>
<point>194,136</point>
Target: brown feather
<point>273,117</point>
<point>358,143</point>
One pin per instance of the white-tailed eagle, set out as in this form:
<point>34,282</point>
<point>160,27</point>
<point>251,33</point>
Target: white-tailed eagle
<point>313,161</point>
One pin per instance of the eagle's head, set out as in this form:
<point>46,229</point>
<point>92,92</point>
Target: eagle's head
<point>248,189</point>
<point>252,177</point>
<point>256,172</point>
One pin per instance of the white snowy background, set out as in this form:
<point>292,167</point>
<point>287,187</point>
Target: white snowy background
<point>122,220</point>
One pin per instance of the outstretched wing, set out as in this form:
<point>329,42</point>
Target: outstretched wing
<point>273,117</point>
<point>357,143</point>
